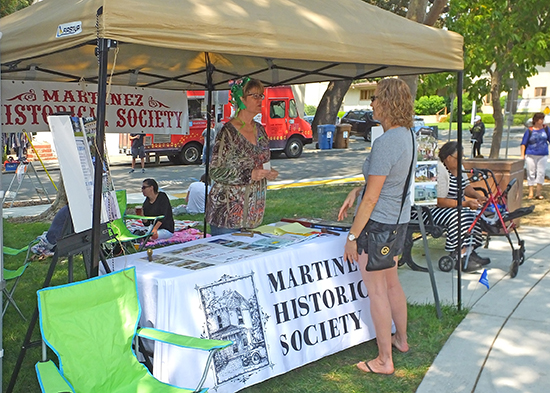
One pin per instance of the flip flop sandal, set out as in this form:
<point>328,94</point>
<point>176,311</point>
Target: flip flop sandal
<point>371,370</point>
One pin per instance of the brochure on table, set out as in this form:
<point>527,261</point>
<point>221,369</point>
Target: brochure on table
<point>218,251</point>
<point>74,139</point>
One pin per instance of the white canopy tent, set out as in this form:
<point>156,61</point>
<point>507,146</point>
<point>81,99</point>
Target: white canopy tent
<point>202,45</point>
<point>170,45</point>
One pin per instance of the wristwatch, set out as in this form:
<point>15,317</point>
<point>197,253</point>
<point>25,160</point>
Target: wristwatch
<point>351,237</point>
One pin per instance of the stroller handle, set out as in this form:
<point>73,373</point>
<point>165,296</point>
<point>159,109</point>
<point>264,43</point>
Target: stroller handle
<point>509,186</point>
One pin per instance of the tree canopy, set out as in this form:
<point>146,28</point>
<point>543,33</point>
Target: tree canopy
<point>10,6</point>
<point>502,40</point>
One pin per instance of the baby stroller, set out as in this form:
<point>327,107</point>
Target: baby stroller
<point>495,219</point>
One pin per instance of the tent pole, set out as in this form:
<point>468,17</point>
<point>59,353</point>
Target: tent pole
<point>2,282</point>
<point>459,87</point>
<point>103,46</point>
<point>210,88</point>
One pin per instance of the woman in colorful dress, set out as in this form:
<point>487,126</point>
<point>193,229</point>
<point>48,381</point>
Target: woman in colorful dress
<point>240,165</point>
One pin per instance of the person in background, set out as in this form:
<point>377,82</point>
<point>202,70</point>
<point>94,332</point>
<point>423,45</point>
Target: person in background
<point>386,170</point>
<point>477,131</point>
<point>157,204</point>
<point>446,213</point>
<point>48,240</point>
<point>240,164</point>
<point>194,200</point>
<point>213,132</point>
<point>534,150</point>
<point>137,150</point>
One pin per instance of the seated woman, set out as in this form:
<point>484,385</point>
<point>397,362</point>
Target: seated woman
<point>157,204</point>
<point>446,214</point>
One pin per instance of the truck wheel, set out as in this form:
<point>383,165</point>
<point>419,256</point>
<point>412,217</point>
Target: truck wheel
<point>190,154</point>
<point>175,159</point>
<point>294,148</point>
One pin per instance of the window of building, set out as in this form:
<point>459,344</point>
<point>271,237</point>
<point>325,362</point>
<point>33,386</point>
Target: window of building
<point>541,92</point>
<point>366,94</point>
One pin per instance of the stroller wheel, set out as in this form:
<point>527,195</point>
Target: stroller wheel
<point>519,255</point>
<point>446,263</point>
<point>514,268</point>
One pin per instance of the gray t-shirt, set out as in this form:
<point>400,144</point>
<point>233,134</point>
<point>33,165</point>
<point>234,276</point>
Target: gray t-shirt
<point>391,157</point>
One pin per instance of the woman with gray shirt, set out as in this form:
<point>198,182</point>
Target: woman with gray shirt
<point>386,170</point>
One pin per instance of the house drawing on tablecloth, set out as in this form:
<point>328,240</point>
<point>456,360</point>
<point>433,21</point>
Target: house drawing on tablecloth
<point>232,313</point>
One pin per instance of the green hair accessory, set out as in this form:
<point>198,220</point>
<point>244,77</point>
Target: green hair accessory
<point>237,93</point>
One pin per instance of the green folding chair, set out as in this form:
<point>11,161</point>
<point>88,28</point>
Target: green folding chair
<point>91,325</point>
<point>14,276</point>
<point>126,239</point>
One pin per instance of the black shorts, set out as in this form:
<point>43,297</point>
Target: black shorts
<point>138,151</point>
<point>375,226</point>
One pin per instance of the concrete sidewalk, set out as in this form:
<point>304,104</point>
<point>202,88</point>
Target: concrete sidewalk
<point>503,344</point>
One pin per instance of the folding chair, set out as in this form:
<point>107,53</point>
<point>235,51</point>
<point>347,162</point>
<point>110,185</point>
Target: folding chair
<point>14,275</point>
<point>123,236</point>
<point>91,325</point>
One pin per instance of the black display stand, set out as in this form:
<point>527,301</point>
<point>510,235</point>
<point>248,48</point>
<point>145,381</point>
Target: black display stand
<point>68,246</point>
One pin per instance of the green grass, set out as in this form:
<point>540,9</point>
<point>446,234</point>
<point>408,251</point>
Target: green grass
<point>335,373</point>
<point>465,126</point>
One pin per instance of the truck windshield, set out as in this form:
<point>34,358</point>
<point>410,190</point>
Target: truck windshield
<point>277,109</point>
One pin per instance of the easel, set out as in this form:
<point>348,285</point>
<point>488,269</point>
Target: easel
<point>68,246</point>
<point>23,167</point>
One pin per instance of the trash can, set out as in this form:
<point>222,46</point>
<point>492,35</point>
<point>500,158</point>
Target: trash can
<point>326,134</point>
<point>341,139</point>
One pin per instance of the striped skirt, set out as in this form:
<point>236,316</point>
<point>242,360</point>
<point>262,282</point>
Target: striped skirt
<point>448,218</point>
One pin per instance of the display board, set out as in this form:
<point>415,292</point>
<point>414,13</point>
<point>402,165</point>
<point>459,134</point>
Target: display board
<point>74,140</point>
<point>425,177</point>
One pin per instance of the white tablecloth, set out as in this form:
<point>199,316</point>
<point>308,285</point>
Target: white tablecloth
<point>282,308</point>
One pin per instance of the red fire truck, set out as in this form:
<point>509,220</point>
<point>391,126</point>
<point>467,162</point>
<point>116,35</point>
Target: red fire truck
<point>287,131</point>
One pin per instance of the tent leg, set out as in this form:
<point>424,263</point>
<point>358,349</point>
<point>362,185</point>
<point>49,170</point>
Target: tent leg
<point>103,52</point>
<point>459,88</point>
<point>210,88</point>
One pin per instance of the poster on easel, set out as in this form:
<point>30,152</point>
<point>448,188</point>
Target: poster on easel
<point>74,140</point>
<point>425,176</point>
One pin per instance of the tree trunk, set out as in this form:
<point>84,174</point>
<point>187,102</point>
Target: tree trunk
<point>330,104</point>
<point>436,10</point>
<point>58,203</point>
<point>496,81</point>
<point>412,82</point>
<point>417,10</point>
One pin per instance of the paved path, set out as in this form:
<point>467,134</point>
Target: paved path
<point>503,344</point>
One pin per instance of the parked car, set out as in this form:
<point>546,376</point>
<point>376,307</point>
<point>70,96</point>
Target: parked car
<point>361,122</point>
<point>418,123</point>
<point>309,119</point>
